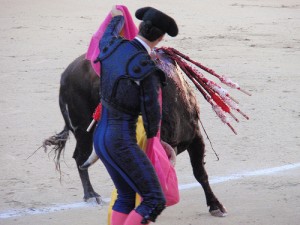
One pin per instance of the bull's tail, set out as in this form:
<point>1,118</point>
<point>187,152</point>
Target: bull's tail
<point>57,142</point>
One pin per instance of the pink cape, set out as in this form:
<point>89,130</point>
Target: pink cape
<point>129,31</point>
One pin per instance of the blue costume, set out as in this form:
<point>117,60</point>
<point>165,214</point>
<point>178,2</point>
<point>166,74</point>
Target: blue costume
<point>130,83</point>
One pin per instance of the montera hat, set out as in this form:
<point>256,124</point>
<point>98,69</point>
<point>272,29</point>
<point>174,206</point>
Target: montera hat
<point>158,19</point>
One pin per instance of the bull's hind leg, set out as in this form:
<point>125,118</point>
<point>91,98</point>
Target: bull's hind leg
<point>196,151</point>
<point>80,116</point>
<point>84,147</point>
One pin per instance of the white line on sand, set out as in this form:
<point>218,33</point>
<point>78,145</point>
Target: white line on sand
<point>59,207</point>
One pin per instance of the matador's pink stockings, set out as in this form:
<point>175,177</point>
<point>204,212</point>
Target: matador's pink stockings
<point>118,218</point>
<point>133,218</point>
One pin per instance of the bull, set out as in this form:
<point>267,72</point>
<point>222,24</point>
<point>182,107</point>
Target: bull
<point>79,96</point>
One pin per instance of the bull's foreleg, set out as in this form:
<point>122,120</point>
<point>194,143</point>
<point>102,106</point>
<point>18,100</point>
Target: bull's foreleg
<point>196,151</point>
<point>83,150</point>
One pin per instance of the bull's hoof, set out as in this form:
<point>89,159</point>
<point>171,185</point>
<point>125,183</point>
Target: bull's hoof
<point>218,213</point>
<point>97,200</point>
<point>93,197</point>
<point>218,210</point>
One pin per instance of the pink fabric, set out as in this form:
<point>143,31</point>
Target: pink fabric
<point>118,218</point>
<point>133,218</point>
<point>129,31</point>
<point>164,169</point>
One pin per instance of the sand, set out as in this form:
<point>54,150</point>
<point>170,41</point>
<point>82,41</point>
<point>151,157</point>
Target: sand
<point>256,43</point>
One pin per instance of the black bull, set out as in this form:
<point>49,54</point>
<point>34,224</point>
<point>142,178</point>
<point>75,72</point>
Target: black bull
<point>79,96</point>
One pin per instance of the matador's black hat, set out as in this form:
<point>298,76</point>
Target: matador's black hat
<point>158,19</point>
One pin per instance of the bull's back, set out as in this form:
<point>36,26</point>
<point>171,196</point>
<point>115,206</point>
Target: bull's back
<point>180,122</point>
<point>79,79</point>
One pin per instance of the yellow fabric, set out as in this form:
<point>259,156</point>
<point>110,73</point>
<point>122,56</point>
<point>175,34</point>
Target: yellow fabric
<point>141,134</point>
<point>142,142</point>
<point>113,198</point>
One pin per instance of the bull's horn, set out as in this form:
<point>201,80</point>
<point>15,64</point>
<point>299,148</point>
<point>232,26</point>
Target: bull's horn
<point>90,161</point>
<point>170,152</point>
